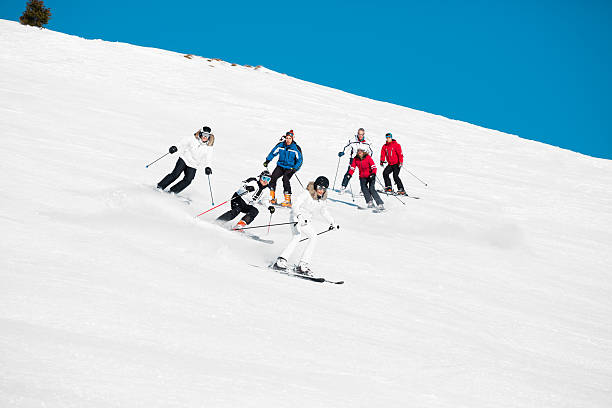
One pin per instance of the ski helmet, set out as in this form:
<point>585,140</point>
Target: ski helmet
<point>265,176</point>
<point>321,183</point>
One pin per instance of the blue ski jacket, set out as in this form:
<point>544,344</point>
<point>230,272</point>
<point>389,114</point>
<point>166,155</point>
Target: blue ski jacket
<point>289,157</point>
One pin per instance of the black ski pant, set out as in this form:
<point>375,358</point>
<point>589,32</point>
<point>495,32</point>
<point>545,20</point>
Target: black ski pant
<point>180,167</point>
<point>347,177</point>
<point>239,206</point>
<point>285,174</point>
<point>395,169</point>
<point>368,188</point>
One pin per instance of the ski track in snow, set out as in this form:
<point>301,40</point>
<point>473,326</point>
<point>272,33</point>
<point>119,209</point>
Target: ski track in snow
<point>492,290</point>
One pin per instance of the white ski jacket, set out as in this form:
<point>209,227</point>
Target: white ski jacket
<point>354,143</point>
<point>195,152</point>
<point>307,204</point>
<point>253,197</point>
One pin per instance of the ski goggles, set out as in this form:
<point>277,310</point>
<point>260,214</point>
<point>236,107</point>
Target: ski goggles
<point>388,135</point>
<point>320,188</point>
<point>204,135</point>
<point>289,134</point>
<point>266,178</point>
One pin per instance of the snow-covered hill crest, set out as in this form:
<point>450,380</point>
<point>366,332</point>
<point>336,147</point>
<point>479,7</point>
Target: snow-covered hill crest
<point>493,289</point>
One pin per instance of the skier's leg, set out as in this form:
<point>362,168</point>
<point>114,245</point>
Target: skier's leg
<point>287,187</point>
<point>190,173</point>
<point>233,212</point>
<point>365,189</point>
<point>286,254</point>
<point>287,173</point>
<point>346,178</point>
<point>310,244</point>
<point>278,172</point>
<point>398,181</point>
<point>251,213</point>
<point>386,177</point>
<point>374,193</point>
<point>173,175</point>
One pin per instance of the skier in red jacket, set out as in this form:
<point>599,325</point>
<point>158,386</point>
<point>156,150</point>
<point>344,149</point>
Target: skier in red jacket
<point>367,177</point>
<point>391,153</point>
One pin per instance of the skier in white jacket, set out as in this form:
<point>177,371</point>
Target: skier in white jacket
<point>194,153</point>
<point>311,201</point>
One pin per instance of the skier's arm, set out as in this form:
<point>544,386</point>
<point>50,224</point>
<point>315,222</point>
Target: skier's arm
<point>382,155</point>
<point>400,154</point>
<point>273,152</point>
<point>325,213</point>
<point>299,158</point>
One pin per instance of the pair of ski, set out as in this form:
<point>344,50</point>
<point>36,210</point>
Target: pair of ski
<point>181,198</point>
<point>395,193</point>
<point>291,271</point>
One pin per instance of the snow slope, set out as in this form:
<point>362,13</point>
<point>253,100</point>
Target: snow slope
<point>492,290</point>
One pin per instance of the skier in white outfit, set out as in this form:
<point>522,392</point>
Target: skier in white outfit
<point>195,152</point>
<point>311,201</point>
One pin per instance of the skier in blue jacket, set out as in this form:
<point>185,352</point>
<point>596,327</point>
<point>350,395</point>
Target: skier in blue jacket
<point>289,161</point>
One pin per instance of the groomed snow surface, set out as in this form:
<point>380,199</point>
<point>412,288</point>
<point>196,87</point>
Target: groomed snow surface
<point>492,290</point>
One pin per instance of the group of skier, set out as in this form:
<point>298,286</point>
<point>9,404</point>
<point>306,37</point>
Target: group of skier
<point>196,152</point>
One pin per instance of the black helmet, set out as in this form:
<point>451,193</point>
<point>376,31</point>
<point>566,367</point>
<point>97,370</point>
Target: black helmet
<point>321,182</point>
<point>206,129</point>
<point>264,173</point>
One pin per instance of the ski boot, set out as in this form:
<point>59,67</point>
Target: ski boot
<point>273,197</point>
<point>342,189</point>
<point>370,204</point>
<point>287,202</point>
<point>280,264</point>
<point>239,227</point>
<point>389,190</point>
<point>303,269</point>
<point>401,192</point>
<point>381,207</point>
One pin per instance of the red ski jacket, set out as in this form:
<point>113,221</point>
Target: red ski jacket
<point>366,166</point>
<point>391,153</point>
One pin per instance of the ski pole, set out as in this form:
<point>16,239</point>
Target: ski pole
<point>269,222</point>
<point>216,206</point>
<point>336,177</point>
<point>322,232</point>
<point>298,179</point>
<point>212,200</point>
<point>416,177</point>
<point>269,225</point>
<point>147,166</point>
<point>384,192</point>
<point>351,188</point>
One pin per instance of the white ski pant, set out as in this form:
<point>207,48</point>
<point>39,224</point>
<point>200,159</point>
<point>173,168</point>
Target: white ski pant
<point>302,231</point>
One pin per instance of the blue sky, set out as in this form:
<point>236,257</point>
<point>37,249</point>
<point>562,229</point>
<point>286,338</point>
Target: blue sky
<point>541,70</point>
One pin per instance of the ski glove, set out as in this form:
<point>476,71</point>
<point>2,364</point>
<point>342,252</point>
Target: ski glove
<point>302,220</point>
<point>266,163</point>
<point>372,177</point>
<point>208,170</point>
<point>250,189</point>
<point>332,227</point>
<point>271,209</point>
<point>340,154</point>
<point>382,164</point>
<point>172,149</point>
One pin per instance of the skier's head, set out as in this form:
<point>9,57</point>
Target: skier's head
<point>204,134</point>
<point>360,134</point>
<point>389,137</point>
<point>264,177</point>
<point>361,152</point>
<point>321,184</point>
<point>289,137</point>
